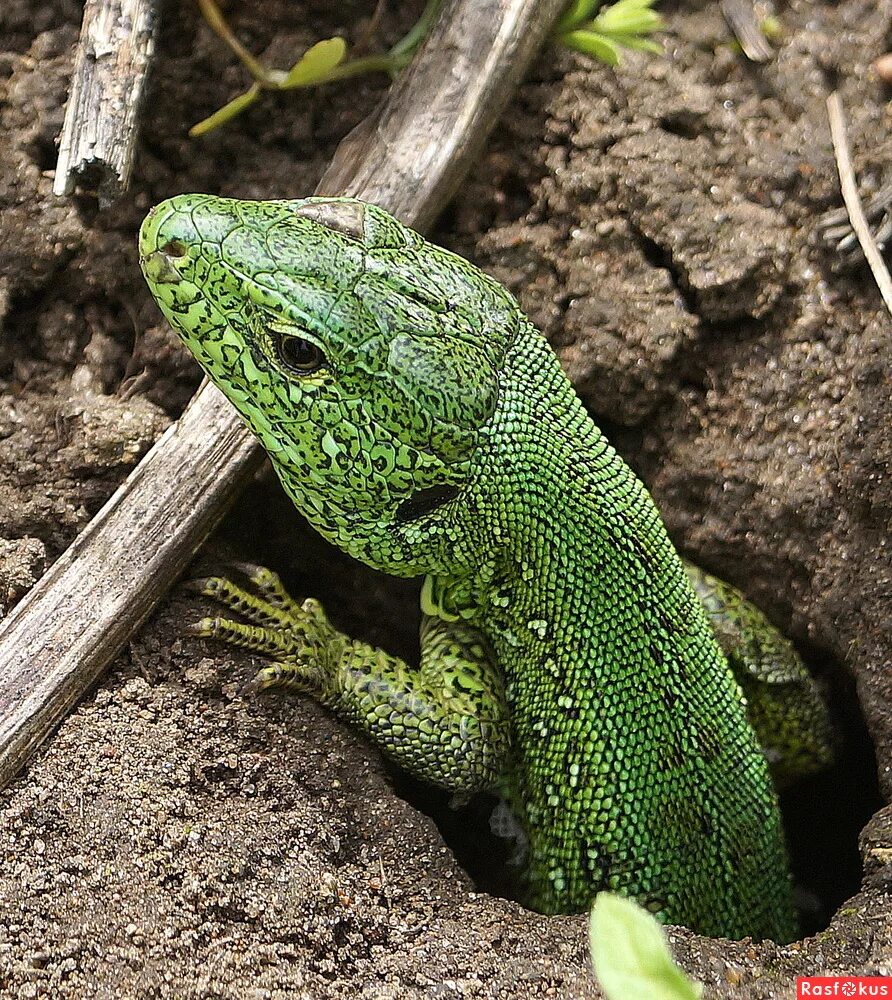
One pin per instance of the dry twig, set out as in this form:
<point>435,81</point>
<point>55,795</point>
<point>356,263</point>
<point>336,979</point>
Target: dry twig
<point>115,48</point>
<point>742,21</point>
<point>852,200</point>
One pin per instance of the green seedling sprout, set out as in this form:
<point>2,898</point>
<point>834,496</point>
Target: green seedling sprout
<point>630,954</point>
<point>624,25</point>
<point>323,62</point>
<point>602,35</point>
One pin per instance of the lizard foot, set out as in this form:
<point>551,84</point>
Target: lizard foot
<point>297,638</point>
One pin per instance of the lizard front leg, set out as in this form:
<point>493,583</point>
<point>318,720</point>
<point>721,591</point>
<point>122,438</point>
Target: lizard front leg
<point>446,721</point>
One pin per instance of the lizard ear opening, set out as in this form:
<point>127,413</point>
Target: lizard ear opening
<point>425,501</point>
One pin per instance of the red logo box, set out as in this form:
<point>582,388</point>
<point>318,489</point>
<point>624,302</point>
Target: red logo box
<point>843,986</point>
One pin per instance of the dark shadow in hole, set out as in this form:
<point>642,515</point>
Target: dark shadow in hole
<point>684,125</point>
<point>825,813</point>
<point>43,152</point>
<point>466,831</point>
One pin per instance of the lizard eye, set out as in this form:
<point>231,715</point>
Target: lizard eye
<point>298,354</point>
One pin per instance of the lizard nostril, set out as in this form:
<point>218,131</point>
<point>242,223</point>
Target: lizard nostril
<point>174,248</point>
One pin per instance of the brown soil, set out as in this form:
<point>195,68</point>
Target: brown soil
<point>658,222</point>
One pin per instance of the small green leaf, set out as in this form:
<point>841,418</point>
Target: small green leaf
<point>578,12</point>
<point>631,956</point>
<point>772,28</point>
<point>628,17</point>
<point>592,44</point>
<point>235,107</point>
<point>637,42</point>
<point>317,62</point>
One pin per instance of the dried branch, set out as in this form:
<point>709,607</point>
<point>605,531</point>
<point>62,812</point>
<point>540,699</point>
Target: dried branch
<point>408,157</point>
<point>853,201</point>
<point>114,50</point>
<point>741,19</point>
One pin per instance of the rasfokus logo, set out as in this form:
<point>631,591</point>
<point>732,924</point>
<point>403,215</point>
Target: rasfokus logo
<point>843,986</point>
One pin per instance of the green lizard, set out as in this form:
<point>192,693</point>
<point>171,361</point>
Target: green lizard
<point>421,423</point>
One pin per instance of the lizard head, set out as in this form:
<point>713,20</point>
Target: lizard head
<point>365,359</point>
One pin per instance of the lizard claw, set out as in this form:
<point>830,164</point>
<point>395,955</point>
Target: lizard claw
<point>203,629</point>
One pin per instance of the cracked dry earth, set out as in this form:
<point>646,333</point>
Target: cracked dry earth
<point>173,840</point>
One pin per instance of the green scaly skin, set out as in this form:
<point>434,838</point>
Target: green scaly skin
<point>422,424</point>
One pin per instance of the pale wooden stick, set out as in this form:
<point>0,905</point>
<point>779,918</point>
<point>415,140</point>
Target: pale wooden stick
<point>742,21</point>
<point>115,47</point>
<point>58,640</point>
<point>853,201</point>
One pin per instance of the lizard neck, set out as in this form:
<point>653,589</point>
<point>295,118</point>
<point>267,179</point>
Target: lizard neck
<point>570,517</point>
